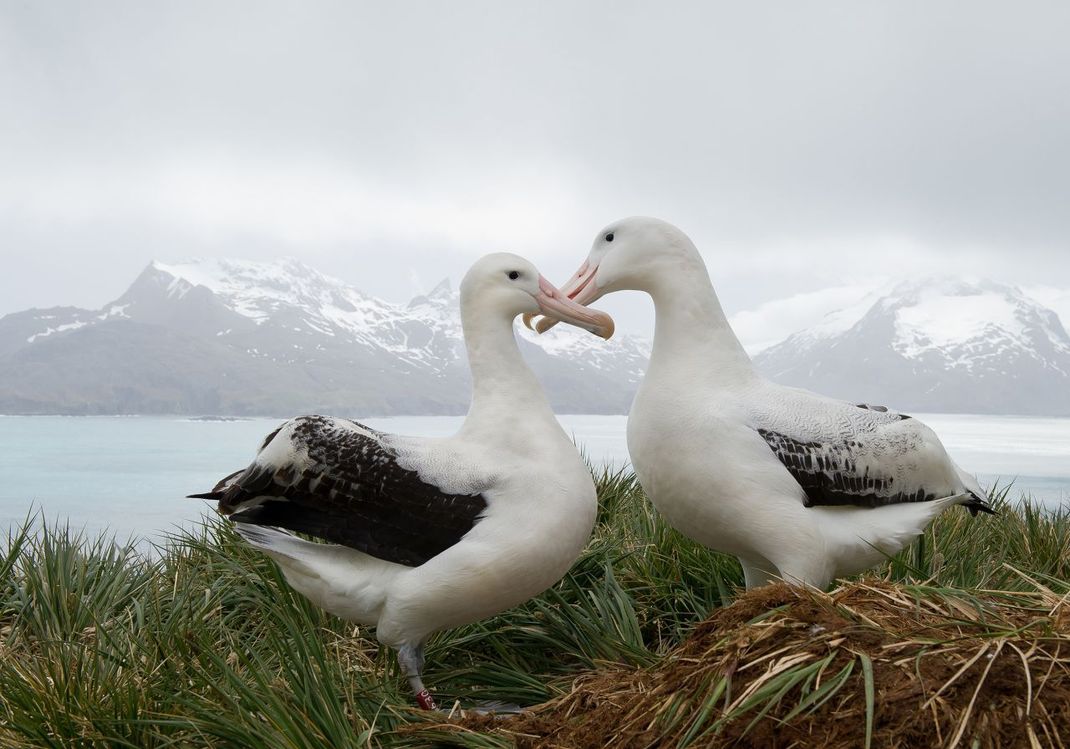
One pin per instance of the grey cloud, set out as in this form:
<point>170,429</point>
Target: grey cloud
<point>801,145</point>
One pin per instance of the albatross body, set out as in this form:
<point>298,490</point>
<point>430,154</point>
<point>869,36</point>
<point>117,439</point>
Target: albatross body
<point>798,486</point>
<point>427,534</point>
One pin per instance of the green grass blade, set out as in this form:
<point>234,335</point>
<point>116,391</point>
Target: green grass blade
<point>867,676</point>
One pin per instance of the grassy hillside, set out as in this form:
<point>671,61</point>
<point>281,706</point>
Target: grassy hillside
<point>204,644</point>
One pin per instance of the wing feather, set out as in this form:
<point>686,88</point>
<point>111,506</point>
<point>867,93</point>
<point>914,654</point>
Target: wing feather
<point>860,455</point>
<point>338,480</point>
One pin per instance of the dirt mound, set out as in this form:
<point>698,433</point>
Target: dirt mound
<point>870,664</point>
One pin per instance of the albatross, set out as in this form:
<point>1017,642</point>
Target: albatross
<point>798,486</point>
<point>427,534</point>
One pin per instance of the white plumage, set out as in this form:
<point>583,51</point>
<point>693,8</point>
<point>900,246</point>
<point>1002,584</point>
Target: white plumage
<point>430,533</point>
<point>797,485</point>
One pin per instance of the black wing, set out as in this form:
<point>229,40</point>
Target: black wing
<point>337,480</point>
<point>830,473</point>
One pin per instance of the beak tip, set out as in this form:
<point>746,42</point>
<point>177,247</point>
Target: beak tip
<point>527,318</point>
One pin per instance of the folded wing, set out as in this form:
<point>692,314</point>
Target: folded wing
<point>865,456</point>
<point>341,481</point>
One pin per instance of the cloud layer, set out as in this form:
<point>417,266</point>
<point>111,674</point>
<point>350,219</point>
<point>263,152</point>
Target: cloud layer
<point>803,146</point>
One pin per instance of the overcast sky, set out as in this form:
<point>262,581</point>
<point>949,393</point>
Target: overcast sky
<point>811,150</point>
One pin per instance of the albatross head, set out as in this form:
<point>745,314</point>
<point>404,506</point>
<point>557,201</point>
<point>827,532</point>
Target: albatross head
<point>633,253</point>
<point>507,284</point>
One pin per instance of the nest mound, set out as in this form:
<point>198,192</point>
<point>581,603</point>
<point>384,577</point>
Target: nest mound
<point>869,664</point>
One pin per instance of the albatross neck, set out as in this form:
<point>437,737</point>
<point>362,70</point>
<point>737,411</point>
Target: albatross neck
<point>692,337</point>
<point>504,389</point>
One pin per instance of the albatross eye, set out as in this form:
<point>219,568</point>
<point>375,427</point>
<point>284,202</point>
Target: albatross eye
<point>513,275</point>
<point>609,237</point>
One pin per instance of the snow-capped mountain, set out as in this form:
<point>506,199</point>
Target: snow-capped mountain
<point>280,338</point>
<point>935,345</point>
<point>238,337</point>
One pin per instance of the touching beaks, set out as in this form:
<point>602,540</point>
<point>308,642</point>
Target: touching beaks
<point>554,303</point>
<point>580,289</point>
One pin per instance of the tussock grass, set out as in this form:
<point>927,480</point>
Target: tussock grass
<point>203,644</point>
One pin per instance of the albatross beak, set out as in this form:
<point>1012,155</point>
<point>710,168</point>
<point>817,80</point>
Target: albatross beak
<point>555,304</point>
<point>580,289</point>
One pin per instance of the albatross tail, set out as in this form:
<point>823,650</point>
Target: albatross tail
<point>977,497</point>
<point>344,581</point>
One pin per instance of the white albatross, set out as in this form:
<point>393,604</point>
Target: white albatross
<point>798,486</point>
<point>427,534</point>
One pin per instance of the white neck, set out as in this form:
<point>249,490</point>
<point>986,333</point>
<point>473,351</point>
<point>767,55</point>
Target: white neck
<point>692,337</point>
<point>505,392</point>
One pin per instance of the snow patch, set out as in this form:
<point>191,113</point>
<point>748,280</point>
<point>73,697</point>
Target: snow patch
<point>823,313</point>
<point>941,321</point>
<point>58,329</point>
<point>115,310</point>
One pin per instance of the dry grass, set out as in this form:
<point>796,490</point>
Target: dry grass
<point>871,664</point>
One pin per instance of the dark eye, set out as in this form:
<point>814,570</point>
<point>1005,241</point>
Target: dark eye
<point>609,237</point>
<point>513,275</point>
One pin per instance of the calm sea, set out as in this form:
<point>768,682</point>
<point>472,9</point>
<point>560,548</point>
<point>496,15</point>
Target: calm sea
<point>128,475</point>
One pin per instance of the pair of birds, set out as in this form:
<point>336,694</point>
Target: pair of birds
<point>428,534</point>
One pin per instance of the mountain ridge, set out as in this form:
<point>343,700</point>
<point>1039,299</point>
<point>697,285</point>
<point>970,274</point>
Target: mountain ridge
<point>243,338</point>
<point>938,344</point>
<point>249,338</point>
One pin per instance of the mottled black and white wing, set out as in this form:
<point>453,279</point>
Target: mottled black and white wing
<point>862,455</point>
<point>342,482</point>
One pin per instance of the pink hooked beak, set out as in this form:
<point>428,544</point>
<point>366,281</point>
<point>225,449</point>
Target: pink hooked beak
<point>555,304</point>
<point>580,290</point>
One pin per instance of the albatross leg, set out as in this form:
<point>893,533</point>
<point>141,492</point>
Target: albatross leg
<point>757,574</point>
<point>411,658</point>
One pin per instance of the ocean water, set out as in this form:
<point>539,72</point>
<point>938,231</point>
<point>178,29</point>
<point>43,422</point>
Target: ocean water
<point>129,475</point>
